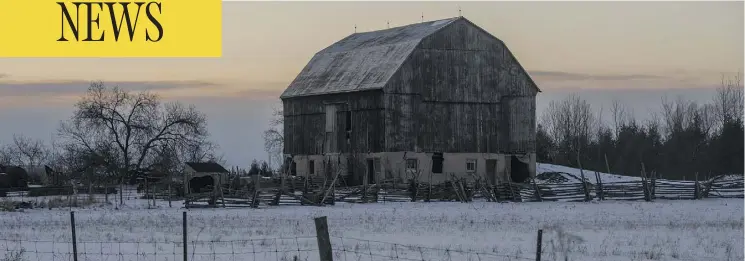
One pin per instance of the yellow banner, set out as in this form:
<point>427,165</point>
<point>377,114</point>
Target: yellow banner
<point>85,28</point>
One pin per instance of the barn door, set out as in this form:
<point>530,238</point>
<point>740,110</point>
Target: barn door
<point>491,171</point>
<point>330,138</point>
<point>373,171</point>
<point>369,173</point>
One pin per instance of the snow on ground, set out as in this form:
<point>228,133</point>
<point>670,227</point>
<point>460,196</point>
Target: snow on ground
<point>709,229</point>
<point>728,177</point>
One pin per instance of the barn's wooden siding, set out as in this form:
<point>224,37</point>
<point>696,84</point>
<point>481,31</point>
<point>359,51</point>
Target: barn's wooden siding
<point>305,122</point>
<point>496,60</point>
<point>520,136</point>
<point>458,90</point>
<point>461,90</point>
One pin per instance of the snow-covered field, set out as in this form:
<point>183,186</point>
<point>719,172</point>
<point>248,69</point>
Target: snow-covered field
<point>709,229</point>
<point>706,229</point>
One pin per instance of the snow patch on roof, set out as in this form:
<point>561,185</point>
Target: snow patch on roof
<point>436,23</point>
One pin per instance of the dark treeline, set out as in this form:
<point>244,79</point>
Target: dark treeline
<point>686,138</point>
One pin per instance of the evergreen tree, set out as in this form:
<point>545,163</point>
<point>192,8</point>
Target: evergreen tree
<point>255,169</point>
<point>265,170</point>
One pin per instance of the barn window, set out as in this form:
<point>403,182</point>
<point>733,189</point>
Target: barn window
<point>470,165</point>
<point>412,165</point>
<point>311,167</point>
<point>348,120</point>
<point>293,168</point>
<point>437,160</point>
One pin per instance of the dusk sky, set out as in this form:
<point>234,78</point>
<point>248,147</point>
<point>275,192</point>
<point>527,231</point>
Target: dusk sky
<point>636,52</point>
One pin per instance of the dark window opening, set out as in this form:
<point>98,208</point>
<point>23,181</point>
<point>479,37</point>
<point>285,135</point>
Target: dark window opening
<point>519,170</point>
<point>350,167</point>
<point>371,171</point>
<point>293,168</point>
<point>348,120</point>
<point>437,160</point>
<point>312,167</point>
<point>348,124</point>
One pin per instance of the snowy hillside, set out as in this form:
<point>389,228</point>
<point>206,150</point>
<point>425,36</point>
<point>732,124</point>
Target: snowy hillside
<point>548,174</point>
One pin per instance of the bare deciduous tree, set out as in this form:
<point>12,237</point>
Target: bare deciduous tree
<point>728,101</point>
<point>6,156</point>
<point>122,130</point>
<point>25,151</point>
<point>681,115</point>
<point>570,122</point>
<point>620,116</point>
<point>274,138</point>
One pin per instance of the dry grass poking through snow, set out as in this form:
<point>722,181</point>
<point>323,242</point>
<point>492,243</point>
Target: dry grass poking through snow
<point>708,229</point>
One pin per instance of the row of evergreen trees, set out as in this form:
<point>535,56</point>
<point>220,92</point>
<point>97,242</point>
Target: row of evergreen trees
<point>684,140</point>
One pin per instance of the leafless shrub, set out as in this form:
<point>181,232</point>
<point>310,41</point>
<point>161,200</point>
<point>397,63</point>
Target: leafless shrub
<point>14,255</point>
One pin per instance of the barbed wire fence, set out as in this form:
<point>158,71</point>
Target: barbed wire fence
<point>297,248</point>
<point>320,247</point>
<point>346,248</point>
<point>68,197</point>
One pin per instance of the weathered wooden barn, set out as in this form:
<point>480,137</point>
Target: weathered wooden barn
<point>432,100</point>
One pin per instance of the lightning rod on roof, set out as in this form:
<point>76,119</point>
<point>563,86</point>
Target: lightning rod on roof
<point>422,17</point>
<point>388,23</point>
<point>459,14</point>
<point>355,28</point>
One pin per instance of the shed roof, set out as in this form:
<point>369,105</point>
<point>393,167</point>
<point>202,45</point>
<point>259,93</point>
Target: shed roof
<point>361,61</point>
<point>206,167</point>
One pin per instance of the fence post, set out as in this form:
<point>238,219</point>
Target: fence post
<point>599,186</point>
<point>74,237</point>
<point>707,185</point>
<point>324,241</point>
<point>607,166</point>
<point>186,256</point>
<point>654,185</point>
<point>645,184</point>
<point>584,183</point>
<point>537,191</point>
<point>257,186</point>
<point>538,246</point>
<point>696,187</point>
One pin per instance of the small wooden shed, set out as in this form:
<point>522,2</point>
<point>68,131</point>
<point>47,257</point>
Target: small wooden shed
<point>204,176</point>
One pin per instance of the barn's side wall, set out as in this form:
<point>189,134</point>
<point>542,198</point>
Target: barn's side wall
<point>305,123</point>
<point>392,165</point>
<point>521,132</point>
<point>460,91</point>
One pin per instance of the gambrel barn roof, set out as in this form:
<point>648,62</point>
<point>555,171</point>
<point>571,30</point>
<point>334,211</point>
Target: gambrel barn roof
<point>364,61</point>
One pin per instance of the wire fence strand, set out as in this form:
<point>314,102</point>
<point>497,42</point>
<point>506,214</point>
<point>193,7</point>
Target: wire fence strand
<point>19,246</point>
<point>365,249</point>
<point>294,248</point>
